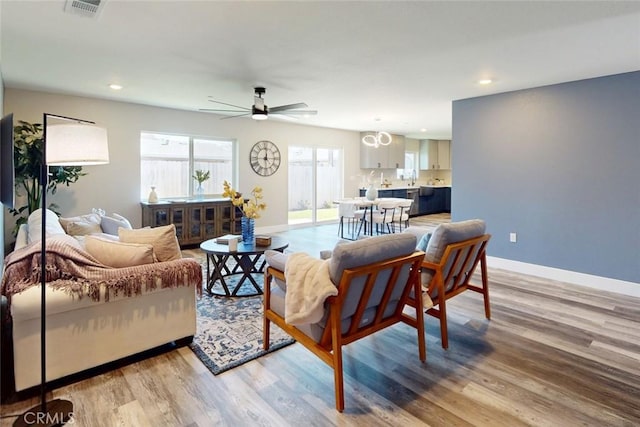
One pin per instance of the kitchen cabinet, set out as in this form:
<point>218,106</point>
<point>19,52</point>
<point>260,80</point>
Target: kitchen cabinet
<point>413,193</point>
<point>385,156</point>
<point>447,200</point>
<point>195,221</point>
<point>435,154</point>
<point>438,202</point>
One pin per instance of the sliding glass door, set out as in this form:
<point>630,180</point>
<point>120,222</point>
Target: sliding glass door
<point>315,181</point>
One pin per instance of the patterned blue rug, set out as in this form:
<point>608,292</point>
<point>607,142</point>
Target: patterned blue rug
<point>229,331</point>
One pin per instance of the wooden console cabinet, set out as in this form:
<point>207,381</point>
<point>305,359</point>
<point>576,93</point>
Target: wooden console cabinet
<point>195,220</point>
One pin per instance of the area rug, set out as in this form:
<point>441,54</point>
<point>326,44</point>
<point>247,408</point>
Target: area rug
<point>229,330</point>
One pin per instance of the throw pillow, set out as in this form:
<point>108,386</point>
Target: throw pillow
<point>424,242</point>
<point>82,228</point>
<point>117,254</point>
<point>163,239</point>
<point>92,217</point>
<point>34,223</point>
<point>110,225</point>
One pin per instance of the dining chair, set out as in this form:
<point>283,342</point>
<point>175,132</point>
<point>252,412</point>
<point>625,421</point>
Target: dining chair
<point>401,215</point>
<point>363,206</point>
<point>347,212</point>
<point>383,216</point>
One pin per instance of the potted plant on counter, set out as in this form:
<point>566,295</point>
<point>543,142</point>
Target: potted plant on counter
<point>201,176</point>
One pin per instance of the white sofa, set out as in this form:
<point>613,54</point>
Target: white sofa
<point>83,333</point>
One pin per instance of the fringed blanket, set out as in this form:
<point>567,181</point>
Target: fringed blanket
<point>308,286</point>
<point>72,270</point>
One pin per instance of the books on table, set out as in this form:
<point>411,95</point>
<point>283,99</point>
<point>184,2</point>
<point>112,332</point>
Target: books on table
<point>224,240</point>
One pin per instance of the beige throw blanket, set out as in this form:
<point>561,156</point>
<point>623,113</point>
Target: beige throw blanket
<point>71,269</point>
<point>308,286</point>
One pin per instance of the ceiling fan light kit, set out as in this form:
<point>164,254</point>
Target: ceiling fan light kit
<point>258,114</point>
<point>260,111</point>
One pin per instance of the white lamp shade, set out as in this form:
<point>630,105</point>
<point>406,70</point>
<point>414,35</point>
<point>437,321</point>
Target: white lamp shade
<point>76,144</point>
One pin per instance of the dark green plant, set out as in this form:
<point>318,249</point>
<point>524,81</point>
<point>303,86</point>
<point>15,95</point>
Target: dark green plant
<point>28,143</point>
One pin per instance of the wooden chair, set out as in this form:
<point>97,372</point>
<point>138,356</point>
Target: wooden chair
<point>371,296</point>
<point>450,273</point>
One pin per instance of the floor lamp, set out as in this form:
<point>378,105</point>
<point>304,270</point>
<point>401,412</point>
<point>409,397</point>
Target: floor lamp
<point>72,143</point>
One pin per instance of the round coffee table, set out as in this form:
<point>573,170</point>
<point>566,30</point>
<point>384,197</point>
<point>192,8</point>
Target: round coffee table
<point>246,258</point>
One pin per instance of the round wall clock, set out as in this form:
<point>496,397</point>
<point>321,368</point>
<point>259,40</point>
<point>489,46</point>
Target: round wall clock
<point>265,158</point>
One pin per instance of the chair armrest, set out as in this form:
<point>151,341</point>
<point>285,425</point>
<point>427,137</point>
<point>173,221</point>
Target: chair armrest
<point>430,265</point>
<point>277,274</point>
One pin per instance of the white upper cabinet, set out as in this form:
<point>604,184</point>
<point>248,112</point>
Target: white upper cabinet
<point>435,154</point>
<point>385,156</point>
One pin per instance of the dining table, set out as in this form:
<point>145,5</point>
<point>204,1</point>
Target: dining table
<point>369,207</point>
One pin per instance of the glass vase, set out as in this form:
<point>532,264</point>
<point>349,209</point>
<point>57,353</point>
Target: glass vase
<point>248,236</point>
<point>199,192</point>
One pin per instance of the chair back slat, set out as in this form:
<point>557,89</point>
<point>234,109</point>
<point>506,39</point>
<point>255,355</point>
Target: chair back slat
<point>388,292</point>
<point>459,261</point>
<point>456,273</point>
<point>363,301</point>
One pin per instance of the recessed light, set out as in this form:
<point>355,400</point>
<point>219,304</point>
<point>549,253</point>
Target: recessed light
<point>115,86</point>
<point>423,130</point>
<point>485,81</point>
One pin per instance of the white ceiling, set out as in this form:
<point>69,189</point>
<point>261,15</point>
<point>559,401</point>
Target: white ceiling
<point>400,62</point>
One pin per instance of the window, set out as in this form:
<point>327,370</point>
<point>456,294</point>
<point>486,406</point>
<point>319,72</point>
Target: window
<point>410,166</point>
<point>168,163</point>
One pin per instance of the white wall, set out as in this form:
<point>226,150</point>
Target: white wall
<point>115,187</point>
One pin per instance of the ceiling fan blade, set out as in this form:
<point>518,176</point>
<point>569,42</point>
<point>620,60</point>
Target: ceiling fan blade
<point>287,107</point>
<point>295,112</point>
<point>234,116</point>
<point>224,111</point>
<point>230,105</point>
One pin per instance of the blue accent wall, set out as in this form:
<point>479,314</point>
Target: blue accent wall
<point>558,165</point>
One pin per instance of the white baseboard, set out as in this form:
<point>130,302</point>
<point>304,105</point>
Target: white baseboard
<point>591,281</point>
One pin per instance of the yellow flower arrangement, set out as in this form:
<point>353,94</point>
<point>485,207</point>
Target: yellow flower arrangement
<point>252,207</point>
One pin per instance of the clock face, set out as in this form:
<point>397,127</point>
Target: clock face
<point>265,158</point>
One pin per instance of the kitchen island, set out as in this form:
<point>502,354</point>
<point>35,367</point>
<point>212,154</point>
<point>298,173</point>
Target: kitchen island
<point>431,200</point>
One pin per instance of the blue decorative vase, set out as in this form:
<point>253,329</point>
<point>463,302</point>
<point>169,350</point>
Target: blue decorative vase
<point>248,236</point>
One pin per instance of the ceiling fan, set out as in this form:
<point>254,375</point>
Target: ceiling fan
<point>260,111</point>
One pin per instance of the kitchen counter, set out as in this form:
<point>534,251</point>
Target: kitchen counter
<point>410,187</point>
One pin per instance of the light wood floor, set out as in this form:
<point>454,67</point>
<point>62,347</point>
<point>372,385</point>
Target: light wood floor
<point>553,354</point>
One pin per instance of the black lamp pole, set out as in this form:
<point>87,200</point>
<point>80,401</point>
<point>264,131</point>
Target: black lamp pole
<point>58,411</point>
